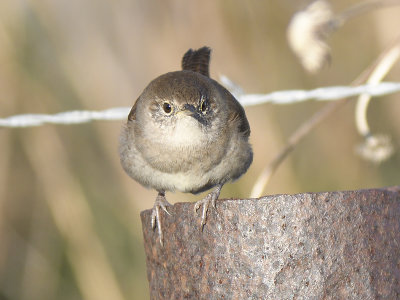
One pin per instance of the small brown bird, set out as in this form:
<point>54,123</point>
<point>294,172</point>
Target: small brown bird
<point>186,133</point>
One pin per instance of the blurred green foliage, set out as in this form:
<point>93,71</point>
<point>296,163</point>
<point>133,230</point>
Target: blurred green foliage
<point>69,216</point>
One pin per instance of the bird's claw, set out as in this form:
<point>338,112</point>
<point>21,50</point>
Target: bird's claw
<point>161,202</point>
<point>205,202</point>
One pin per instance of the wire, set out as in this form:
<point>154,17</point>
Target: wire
<point>67,118</point>
<point>279,97</point>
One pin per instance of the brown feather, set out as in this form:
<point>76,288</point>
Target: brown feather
<point>197,61</point>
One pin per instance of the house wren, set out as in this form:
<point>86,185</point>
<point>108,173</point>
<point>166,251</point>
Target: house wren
<point>186,133</point>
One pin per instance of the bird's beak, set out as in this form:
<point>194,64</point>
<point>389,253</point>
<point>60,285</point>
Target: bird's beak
<point>190,110</point>
<point>186,113</point>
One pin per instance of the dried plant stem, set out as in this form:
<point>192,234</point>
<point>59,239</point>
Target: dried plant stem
<point>385,65</point>
<point>310,124</point>
<point>365,7</point>
<point>294,139</point>
<point>359,9</point>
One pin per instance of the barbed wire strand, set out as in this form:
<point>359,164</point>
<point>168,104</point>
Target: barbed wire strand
<point>279,97</point>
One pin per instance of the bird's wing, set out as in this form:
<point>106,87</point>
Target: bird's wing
<point>132,113</point>
<point>237,114</point>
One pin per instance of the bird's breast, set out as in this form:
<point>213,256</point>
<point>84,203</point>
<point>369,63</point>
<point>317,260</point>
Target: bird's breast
<point>187,133</point>
<point>185,147</point>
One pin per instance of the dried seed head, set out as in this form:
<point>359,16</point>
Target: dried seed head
<point>307,33</point>
<point>376,148</point>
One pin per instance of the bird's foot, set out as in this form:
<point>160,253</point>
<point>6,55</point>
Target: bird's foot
<point>210,198</point>
<point>161,202</point>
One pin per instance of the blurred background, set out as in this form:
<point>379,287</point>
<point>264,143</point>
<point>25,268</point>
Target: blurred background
<point>69,216</point>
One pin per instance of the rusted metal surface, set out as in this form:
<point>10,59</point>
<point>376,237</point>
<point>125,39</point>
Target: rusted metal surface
<point>336,245</point>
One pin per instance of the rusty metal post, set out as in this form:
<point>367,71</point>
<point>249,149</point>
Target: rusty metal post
<point>336,245</point>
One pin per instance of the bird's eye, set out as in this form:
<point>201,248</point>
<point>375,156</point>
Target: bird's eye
<point>203,104</point>
<point>167,107</point>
